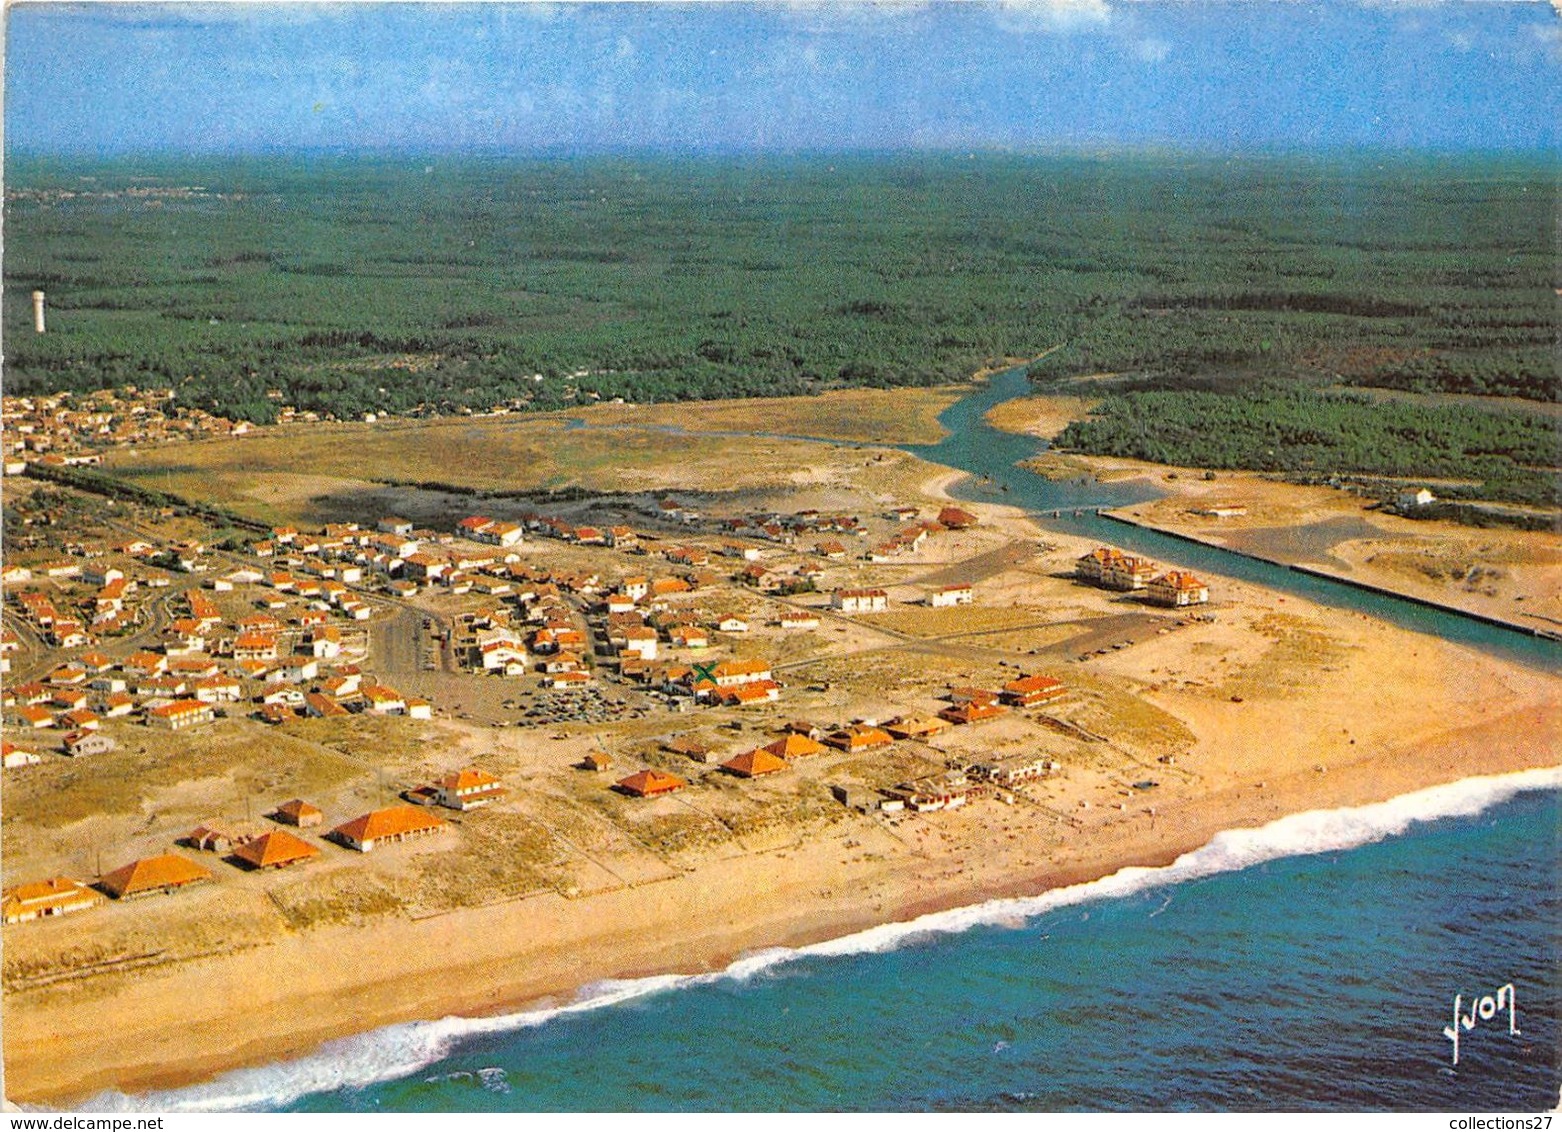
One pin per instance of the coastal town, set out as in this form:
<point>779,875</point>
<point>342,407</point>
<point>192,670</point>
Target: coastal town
<point>871,557</point>
<point>417,704</point>
<point>127,622</point>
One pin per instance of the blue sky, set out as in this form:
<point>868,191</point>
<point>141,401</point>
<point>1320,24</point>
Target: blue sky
<point>1244,74</point>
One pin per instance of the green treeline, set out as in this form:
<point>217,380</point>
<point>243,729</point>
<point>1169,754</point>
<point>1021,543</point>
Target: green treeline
<point>353,285</point>
<point>1302,432</point>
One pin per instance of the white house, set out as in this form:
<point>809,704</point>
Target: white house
<point>946,596</point>
<point>860,601</point>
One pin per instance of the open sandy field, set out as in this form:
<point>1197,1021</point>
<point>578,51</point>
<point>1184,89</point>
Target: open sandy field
<point>1507,574</point>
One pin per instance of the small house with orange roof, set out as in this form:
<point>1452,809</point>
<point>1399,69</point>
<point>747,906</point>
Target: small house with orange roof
<point>946,596</point>
<point>1028,691</point>
<point>859,737</point>
<point>81,719</point>
<point>12,756</point>
<point>35,717</point>
<point>648,783</point>
<point>860,601</point>
<point>387,826</point>
<point>753,692</point>
<point>276,713</point>
<point>255,645</point>
<point>146,663</point>
<point>33,692</point>
<point>298,812</point>
<point>179,714</point>
<point>752,764</point>
<point>318,705</point>
<point>57,896</point>
<point>275,850</point>
<point>67,699</point>
<point>383,699</point>
<point>164,873</point>
<point>730,673</point>
<point>961,714</point>
<point>916,726</point>
<point>795,746</point>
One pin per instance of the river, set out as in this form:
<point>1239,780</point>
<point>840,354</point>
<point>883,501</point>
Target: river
<point>993,457</point>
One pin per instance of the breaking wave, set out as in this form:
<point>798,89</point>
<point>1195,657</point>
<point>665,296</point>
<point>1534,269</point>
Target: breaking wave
<point>403,1050</point>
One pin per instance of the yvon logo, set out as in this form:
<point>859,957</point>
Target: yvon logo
<point>1484,1008</point>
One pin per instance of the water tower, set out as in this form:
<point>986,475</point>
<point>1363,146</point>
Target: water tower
<point>38,311</point>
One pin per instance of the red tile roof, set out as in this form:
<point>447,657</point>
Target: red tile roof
<point>275,849</point>
<point>151,873</point>
<point>648,782</point>
<point>751,764</point>
<point>392,822</point>
<point>794,746</point>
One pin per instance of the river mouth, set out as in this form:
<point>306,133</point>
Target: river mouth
<point>993,460</point>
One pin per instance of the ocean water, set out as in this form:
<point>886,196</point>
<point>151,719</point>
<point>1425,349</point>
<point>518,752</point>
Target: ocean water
<point>1308,965</point>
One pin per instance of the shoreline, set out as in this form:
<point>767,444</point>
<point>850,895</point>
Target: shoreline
<point>133,1032</point>
<point>307,1002</point>
<point>1213,857</point>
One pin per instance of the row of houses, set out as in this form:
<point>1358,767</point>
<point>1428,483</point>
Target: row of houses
<point>251,846</point>
<point>71,429</point>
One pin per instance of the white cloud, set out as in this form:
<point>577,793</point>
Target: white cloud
<point>1022,16</point>
<point>1550,38</point>
<point>850,11</point>
<point>1152,50</point>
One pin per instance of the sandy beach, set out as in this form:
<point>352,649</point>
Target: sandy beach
<point>65,1045</point>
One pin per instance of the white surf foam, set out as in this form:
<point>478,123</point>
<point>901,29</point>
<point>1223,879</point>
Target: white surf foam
<point>400,1051</point>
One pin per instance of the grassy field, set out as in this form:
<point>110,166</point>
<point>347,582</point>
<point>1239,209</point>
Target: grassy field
<point>330,471</point>
<point>873,416</point>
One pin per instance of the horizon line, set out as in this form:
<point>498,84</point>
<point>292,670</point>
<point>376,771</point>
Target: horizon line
<point>966,151</point>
